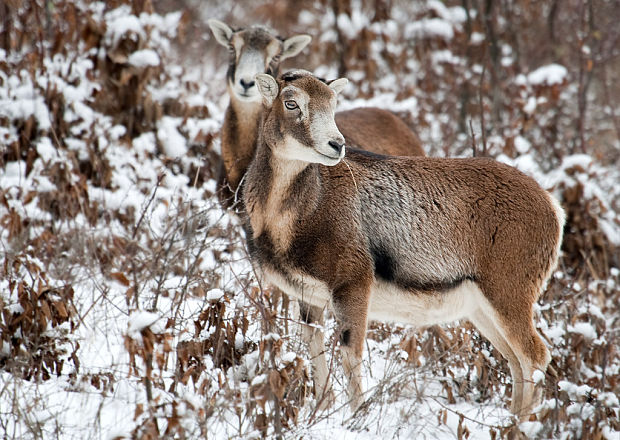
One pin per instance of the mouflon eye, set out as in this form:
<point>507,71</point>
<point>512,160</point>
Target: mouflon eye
<point>291,105</point>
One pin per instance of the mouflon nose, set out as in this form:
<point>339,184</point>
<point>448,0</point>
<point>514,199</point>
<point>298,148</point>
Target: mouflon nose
<point>336,145</point>
<point>246,84</point>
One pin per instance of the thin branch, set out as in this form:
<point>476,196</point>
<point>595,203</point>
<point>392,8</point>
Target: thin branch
<point>481,105</point>
<point>474,146</point>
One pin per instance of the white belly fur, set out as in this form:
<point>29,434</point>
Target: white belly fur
<point>306,288</point>
<point>389,303</point>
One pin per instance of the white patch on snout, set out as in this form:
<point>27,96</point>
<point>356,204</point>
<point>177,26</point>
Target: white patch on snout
<point>250,64</point>
<point>323,130</point>
<point>292,149</point>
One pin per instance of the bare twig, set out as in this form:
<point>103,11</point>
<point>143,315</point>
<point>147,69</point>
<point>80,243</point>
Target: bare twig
<point>474,146</point>
<point>481,104</point>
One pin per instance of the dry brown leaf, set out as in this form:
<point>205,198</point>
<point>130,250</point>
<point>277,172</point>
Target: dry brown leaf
<point>120,277</point>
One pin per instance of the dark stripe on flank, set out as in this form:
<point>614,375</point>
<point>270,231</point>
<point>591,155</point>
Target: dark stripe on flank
<point>439,286</point>
<point>345,337</point>
<point>385,266</point>
<point>387,269</point>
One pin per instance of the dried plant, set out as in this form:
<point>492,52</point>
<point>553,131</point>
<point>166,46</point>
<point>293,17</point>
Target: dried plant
<point>100,222</point>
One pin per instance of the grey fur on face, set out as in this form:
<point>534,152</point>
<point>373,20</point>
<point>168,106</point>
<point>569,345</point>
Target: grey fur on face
<point>254,50</point>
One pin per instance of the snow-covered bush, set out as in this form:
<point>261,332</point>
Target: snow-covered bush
<point>126,294</point>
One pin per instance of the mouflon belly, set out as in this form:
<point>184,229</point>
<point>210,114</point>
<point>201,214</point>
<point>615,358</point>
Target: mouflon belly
<point>391,303</point>
<point>298,285</point>
<point>388,301</point>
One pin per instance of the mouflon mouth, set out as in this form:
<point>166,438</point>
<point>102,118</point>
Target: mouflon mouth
<point>243,94</point>
<point>330,156</point>
<point>332,159</point>
<point>248,96</point>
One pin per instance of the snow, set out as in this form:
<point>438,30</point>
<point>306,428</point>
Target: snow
<point>582,160</point>
<point>584,328</point>
<point>438,8</point>
<point>609,433</point>
<point>5,350</point>
<point>530,105</point>
<point>446,56</point>
<point>429,28</point>
<point>144,58</point>
<point>477,38</point>
<point>538,376</point>
<point>239,341</point>
<point>13,175</point>
<point>582,411</point>
<point>593,310</point>
<point>611,231</point>
<point>548,75</point>
<point>573,390</point>
<point>145,143</point>
<point>351,26</point>
<point>289,357</point>
<point>20,101</point>
<point>46,150</point>
<point>173,143</point>
<point>140,320</point>
<point>522,145</point>
<point>258,380</point>
<point>136,164</point>
<point>214,295</point>
<point>556,334</point>
<point>531,429</point>
<point>121,22</point>
<point>609,399</point>
<point>457,14</point>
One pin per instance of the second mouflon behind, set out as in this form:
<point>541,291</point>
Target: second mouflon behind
<point>257,49</point>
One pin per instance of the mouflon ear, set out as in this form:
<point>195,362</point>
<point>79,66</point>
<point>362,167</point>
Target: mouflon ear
<point>338,85</point>
<point>267,87</point>
<point>221,31</point>
<point>292,46</point>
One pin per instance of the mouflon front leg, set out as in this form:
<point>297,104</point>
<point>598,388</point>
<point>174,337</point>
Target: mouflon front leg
<point>351,308</point>
<point>312,335</point>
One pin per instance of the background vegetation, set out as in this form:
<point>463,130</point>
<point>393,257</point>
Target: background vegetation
<point>128,307</point>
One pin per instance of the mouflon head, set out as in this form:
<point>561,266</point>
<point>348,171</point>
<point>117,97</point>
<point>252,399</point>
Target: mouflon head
<point>253,50</point>
<point>299,118</point>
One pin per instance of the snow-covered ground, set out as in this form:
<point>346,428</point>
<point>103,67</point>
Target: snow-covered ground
<point>129,308</point>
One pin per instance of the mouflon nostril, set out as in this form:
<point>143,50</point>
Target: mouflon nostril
<point>246,85</point>
<point>336,145</point>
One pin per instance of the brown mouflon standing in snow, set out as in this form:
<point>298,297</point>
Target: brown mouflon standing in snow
<point>414,240</point>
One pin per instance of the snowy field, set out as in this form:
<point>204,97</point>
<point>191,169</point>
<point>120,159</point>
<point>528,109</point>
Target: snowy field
<point>128,305</point>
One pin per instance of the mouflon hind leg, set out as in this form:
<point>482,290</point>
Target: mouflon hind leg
<point>509,326</point>
<point>493,332</point>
